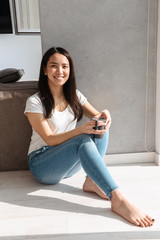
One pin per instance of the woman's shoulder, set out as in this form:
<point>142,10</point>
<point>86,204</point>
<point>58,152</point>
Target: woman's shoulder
<point>78,93</point>
<point>35,96</point>
<point>34,104</point>
<point>81,97</point>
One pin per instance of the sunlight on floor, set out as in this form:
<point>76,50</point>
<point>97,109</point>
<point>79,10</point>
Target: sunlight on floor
<point>30,210</point>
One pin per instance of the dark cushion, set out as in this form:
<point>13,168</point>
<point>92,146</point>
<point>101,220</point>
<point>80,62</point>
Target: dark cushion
<point>10,75</point>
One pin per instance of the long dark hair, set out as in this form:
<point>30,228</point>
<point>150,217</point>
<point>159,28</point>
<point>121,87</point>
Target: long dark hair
<point>69,88</point>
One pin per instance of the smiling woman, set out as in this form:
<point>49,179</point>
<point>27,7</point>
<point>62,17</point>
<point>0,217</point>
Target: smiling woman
<point>59,148</point>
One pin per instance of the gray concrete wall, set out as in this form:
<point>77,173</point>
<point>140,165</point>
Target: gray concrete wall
<point>113,46</point>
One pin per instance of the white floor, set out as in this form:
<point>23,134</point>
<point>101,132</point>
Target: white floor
<point>30,210</point>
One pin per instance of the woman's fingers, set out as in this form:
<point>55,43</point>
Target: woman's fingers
<point>89,127</point>
<point>108,125</point>
<point>99,132</point>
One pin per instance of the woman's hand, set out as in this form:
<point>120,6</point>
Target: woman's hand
<point>105,114</point>
<point>88,127</point>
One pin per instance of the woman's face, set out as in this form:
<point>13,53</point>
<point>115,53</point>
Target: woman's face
<point>57,70</point>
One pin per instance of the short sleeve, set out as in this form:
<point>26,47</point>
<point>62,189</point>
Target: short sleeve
<point>81,97</point>
<point>34,104</point>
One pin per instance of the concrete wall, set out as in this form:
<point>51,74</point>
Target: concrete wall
<point>113,46</point>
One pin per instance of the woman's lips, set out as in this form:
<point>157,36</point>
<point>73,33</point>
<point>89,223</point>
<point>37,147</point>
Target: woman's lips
<point>59,77</point>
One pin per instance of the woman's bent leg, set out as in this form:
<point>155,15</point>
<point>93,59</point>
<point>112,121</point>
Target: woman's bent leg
<point>120,205</point>
<point>95,167</point>
<point>52,165</point>
<point>101,143</point>
<point>76,168</point>
<point>49,165</point>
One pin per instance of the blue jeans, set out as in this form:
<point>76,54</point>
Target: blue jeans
<point>50,165</point>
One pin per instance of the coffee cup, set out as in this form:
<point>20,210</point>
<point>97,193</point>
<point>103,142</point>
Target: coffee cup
<point>98,127</point>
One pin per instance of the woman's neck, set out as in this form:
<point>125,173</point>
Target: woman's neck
<point>60,102</point>
<point>57,91</point>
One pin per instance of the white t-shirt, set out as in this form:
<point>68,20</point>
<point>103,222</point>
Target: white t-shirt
<point>59,122</point>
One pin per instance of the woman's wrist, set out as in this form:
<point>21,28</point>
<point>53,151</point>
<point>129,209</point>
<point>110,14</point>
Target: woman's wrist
<point>79,130</point>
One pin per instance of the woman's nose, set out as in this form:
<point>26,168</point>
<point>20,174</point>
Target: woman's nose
<point>59,70</point>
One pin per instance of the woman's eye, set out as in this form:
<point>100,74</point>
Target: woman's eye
<point>65,66</point>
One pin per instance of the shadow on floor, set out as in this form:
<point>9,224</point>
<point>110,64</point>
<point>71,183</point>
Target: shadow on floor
<point>25,197</point>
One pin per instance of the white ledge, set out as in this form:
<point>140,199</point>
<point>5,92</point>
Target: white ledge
<point>130,158</point>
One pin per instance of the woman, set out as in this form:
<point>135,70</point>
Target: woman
<point>58,148</point>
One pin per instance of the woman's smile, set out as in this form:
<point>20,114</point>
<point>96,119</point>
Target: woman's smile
<point>59,77</point>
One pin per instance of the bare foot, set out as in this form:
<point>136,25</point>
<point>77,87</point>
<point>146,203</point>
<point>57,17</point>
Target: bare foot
<point>125,209</point>
<point>90,186</point>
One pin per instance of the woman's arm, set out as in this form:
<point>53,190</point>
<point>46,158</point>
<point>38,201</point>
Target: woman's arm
<point>90,112</point>
<point>40,124</point>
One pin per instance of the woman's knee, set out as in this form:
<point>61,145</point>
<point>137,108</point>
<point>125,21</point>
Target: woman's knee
<point>84,138</point>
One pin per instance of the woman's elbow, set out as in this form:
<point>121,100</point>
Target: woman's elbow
<point>49,141</point>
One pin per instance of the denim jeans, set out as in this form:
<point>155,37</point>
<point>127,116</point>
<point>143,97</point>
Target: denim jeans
<point>49,165</point>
